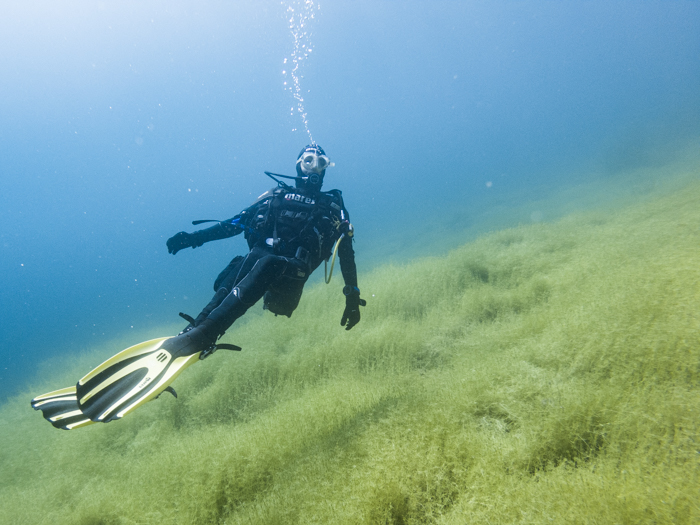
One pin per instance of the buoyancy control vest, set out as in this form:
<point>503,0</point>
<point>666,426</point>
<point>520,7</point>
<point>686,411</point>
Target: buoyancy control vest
<point>286,218</point>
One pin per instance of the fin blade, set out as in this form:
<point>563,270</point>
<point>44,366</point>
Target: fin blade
<point>139,370</point>
<point>131,378</point>
<point>61,409</point>
<point>132,351</point>
<point>177,366</point>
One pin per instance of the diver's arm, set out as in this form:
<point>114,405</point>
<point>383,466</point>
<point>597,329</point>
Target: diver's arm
<point>347,261</point>
<point>345,251</point>
<point>351,315</point>
<point>221,230</point>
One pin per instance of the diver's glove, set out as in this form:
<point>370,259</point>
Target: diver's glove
<point>351,315</point>
<point>183,240</point>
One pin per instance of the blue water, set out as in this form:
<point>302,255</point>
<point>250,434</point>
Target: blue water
<point>123,122</point>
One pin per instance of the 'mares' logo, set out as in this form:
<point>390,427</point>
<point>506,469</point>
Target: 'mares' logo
<point>299,198</point>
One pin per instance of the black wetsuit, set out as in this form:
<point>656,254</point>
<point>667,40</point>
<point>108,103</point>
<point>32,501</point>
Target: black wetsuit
<point>289,231</point>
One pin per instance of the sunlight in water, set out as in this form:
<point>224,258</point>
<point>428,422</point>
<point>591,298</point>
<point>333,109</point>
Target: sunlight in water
<point>300,13</point>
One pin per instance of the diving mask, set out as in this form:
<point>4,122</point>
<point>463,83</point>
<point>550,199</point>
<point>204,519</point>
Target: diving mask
<point>312,162</point>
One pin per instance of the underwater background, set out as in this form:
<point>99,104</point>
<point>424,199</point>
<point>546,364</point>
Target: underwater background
<point>122,122</point>
<point>523,178</point>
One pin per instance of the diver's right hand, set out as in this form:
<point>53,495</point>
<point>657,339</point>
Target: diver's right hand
<point>181,240</point>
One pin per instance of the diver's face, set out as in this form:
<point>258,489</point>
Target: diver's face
<point>313,163</point>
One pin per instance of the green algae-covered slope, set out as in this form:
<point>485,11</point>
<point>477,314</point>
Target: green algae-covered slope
<point>541,374</point>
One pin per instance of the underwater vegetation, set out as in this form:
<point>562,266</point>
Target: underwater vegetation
<point>547,373</point>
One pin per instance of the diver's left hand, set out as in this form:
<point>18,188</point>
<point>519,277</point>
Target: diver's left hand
<point>351,315</point>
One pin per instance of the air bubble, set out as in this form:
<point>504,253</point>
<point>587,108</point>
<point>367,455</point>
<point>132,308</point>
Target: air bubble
<point>301,11</point>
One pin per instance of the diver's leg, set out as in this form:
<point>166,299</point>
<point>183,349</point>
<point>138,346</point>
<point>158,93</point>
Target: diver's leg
<point>266,268</point>
<point>248,291</point>
<point>225,283</point>
<point>229,272</point>
<point>219,296</point>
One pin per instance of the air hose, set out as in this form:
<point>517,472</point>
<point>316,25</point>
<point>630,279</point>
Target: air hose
<point>335,253</point>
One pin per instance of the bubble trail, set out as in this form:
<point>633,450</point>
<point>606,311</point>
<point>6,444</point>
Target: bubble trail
<point>300,14</point>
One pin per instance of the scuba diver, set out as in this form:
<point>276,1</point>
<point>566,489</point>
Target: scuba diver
<point>289,231</point>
